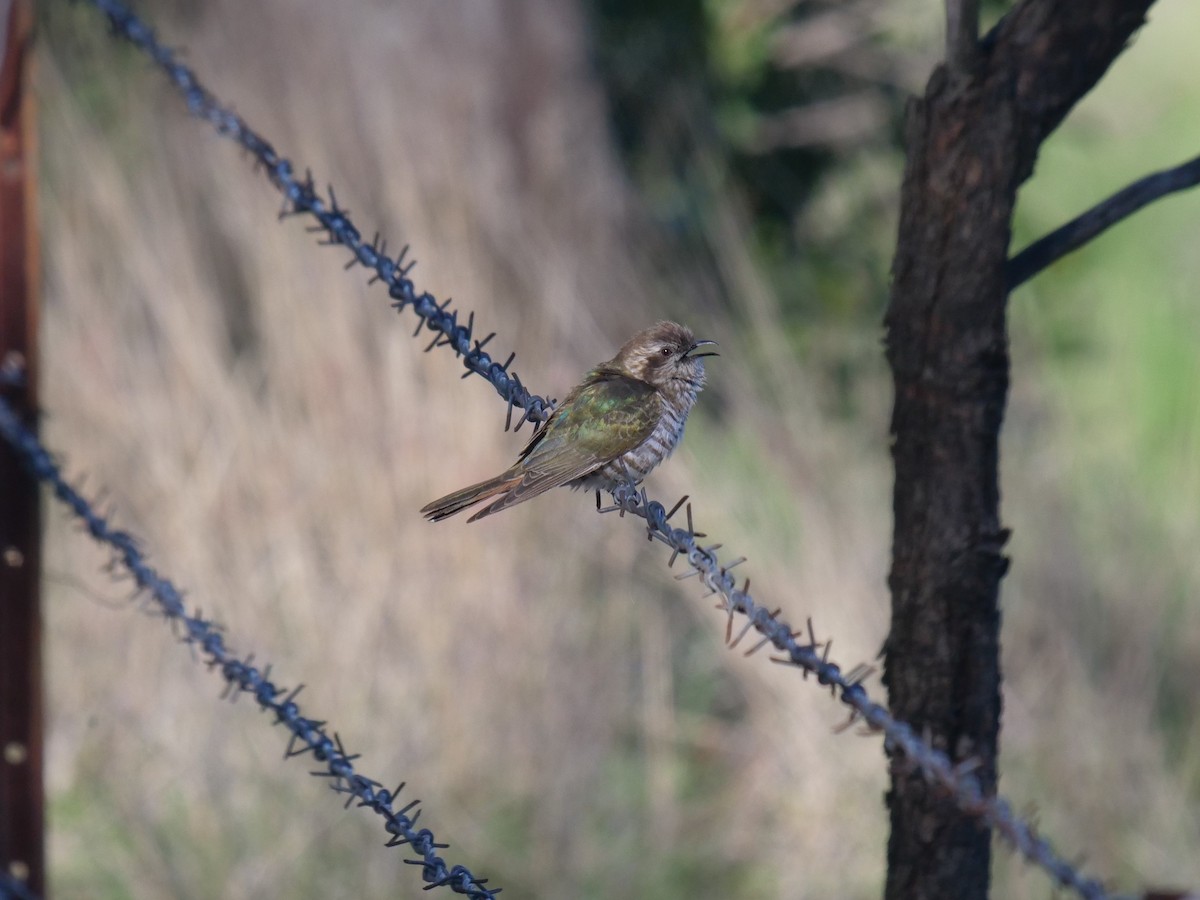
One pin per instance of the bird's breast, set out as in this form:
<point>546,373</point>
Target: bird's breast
<point>636,464</point>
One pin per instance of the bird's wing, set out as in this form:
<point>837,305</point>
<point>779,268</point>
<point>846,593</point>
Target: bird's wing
<point>608,415</point>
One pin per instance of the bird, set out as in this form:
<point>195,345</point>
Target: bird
<point>622,420</point>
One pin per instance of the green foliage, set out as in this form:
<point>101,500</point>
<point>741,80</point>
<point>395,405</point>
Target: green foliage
<point>697,93</point>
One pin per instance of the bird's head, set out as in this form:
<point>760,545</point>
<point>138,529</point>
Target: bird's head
<point>662,354</point>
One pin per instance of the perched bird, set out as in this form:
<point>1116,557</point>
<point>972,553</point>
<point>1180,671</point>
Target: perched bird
<point>622,421</point>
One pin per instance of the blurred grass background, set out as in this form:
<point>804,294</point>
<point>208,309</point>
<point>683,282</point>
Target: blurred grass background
<point>572,171</point>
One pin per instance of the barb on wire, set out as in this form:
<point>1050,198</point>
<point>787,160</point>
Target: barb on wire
<point>242,676</point>
<point>301,197</point>
<point>810,656</point>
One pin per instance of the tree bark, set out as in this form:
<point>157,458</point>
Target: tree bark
<point>971,141</point>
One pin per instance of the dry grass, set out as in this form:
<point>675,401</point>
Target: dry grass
<point>263,419</point>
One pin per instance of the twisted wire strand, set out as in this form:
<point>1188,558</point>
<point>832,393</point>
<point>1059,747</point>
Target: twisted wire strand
<point>242,676</point>
<point>957,780</point>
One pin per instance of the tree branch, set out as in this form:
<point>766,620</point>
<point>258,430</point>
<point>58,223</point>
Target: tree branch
<point>1055,51</point>
<point>962,34</point>
<point>1086,226</point>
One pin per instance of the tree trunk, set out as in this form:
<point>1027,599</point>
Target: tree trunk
<point>971,141</point>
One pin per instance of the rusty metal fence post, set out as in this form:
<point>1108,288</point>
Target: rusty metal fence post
<point>22,818</point>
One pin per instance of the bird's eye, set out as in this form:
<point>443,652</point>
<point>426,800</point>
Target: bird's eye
<point>665,352</point>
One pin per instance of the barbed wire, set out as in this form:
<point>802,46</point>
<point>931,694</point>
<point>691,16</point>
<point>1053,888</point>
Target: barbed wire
<point>242,676</point>
<point>958,781</point>
<point>13,888</point>
<point>301,196</point>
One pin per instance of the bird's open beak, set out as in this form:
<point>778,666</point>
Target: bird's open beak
<point>692,354</point>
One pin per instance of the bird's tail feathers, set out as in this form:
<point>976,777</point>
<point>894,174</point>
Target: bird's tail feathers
<point>458,501</point>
